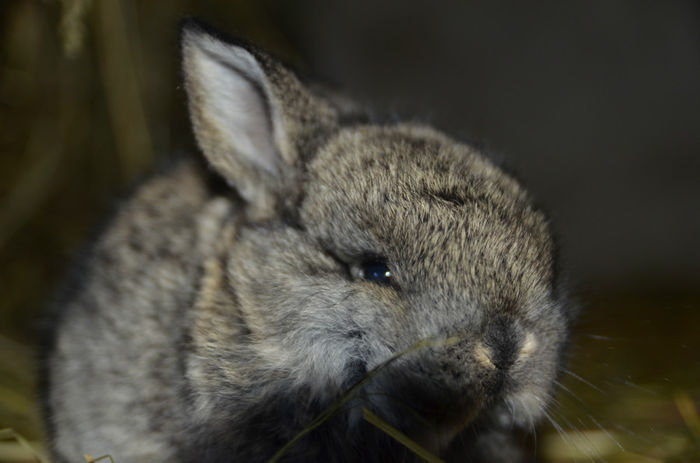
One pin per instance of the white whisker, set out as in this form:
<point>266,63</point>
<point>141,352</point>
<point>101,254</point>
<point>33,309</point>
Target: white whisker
<point>559,429</point>
<point>587,383</point>
<point>629,383</point>
<point>599,337</point>
<point>574,395</point>
<point>605,431</point>
<point>582,443</point>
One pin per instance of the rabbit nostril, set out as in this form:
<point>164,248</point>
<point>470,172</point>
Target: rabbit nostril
<point>482,354</point>
<point>528,347</point>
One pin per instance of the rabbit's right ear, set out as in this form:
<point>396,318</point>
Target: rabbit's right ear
<point>252,118</point>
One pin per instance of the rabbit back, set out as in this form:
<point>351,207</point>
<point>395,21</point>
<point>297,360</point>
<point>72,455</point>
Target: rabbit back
<point>116,368</point>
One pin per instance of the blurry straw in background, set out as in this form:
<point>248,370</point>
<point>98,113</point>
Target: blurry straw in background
<point>689,413</point>
<point>15,448</point>
<point>122,89</point>
<point>35,183</point>
<point>72,27</point>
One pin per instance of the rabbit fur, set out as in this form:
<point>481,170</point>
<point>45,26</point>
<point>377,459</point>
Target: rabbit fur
<point>216,324</point>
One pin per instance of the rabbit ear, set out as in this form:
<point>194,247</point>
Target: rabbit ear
<point>252,118</point>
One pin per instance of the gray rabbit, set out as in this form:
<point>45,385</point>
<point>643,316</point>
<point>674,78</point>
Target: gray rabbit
<point>343,268</point>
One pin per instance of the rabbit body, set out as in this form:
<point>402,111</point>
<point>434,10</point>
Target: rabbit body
<point>216,325</point>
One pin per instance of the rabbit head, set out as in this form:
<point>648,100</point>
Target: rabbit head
<point>387,256</point>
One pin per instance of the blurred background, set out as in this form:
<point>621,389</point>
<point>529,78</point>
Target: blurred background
<point>595,105</point>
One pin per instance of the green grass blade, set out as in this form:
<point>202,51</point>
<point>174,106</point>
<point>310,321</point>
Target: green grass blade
<point>400,437</point>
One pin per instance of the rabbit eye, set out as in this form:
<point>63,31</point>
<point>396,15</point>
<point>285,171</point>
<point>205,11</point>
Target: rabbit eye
<point>376,272</point>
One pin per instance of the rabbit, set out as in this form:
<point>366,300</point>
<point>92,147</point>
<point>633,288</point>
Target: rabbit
<point>316,269</point>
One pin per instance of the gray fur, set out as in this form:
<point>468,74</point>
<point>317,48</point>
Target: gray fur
<point>212,328</point>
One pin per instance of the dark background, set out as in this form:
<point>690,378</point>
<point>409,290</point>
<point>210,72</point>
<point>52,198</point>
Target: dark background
<point>595,105</point>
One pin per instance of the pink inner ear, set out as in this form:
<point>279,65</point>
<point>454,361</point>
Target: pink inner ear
<point>230,84</point>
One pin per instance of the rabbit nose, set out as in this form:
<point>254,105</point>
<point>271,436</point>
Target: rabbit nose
<point>501,340</point>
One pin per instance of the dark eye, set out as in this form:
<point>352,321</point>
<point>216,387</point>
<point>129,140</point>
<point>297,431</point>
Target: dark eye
<point>376,272</point>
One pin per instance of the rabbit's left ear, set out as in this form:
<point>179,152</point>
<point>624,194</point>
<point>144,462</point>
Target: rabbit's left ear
<point>252,118</point>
